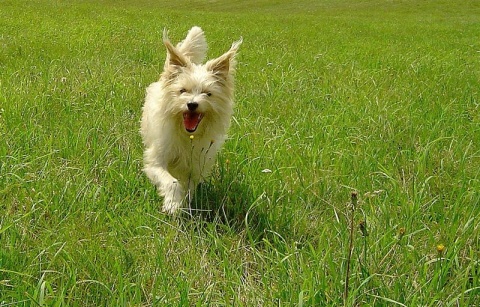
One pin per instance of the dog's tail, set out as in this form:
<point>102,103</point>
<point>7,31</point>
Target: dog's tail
<point>194,46</point>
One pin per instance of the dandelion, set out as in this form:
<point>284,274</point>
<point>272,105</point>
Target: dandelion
<point>440,249</point>
<point>440,267</point>
<point>191,137</point>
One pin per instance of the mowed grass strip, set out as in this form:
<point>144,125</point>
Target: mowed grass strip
<point>377,97</point>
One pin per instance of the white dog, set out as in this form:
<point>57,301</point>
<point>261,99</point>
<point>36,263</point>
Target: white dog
<point>186,117</point>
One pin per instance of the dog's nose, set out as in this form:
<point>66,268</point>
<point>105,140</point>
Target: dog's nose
<point>192,105</point>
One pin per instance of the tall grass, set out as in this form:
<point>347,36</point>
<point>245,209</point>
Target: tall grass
<point>336,96</point>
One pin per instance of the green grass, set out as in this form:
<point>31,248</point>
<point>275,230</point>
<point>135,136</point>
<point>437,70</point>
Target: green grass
<point>379,97</point>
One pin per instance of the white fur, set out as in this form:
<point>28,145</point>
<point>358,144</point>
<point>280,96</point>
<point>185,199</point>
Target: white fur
<point>176,160</point>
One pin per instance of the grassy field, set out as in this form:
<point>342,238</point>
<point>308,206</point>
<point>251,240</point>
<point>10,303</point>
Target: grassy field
<point>333,96</point>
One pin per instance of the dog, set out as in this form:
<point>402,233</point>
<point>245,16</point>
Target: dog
<point>186,117</point>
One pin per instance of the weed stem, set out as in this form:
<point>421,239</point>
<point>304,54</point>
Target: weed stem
<point>350,247</point>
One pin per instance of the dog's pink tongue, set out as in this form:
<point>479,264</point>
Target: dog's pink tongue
<point>191,121</point>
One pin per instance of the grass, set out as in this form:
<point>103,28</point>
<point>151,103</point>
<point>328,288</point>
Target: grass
<point>378,97</point>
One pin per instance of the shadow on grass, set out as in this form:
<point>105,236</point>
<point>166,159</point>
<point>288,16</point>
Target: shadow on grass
<point>231,206</point>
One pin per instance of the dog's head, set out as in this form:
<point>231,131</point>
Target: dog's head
<point>200,94</point>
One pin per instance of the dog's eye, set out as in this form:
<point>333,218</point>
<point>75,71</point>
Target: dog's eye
<point>183,91</point>
<point>208,94</point>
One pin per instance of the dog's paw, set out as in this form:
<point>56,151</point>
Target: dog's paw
<point>173,199</point>
<point>171,207</point>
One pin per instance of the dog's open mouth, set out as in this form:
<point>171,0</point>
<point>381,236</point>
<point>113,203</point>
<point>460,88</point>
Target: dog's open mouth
<point>191,120</point>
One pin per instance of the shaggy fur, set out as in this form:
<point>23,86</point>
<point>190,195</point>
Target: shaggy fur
<point>186,117</point>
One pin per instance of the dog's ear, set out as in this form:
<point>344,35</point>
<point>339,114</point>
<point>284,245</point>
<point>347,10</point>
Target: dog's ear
<point>224,65</point>
<point>174,57</point>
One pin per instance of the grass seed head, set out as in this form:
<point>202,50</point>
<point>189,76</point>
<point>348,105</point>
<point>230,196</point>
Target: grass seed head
<point>363,227</point>
<point>401,233</point>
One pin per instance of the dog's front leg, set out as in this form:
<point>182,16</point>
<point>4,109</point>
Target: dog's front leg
<point>168,186</point>
<point>174,195</point>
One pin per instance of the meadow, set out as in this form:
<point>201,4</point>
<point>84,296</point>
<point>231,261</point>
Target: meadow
<point>377,98</point>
